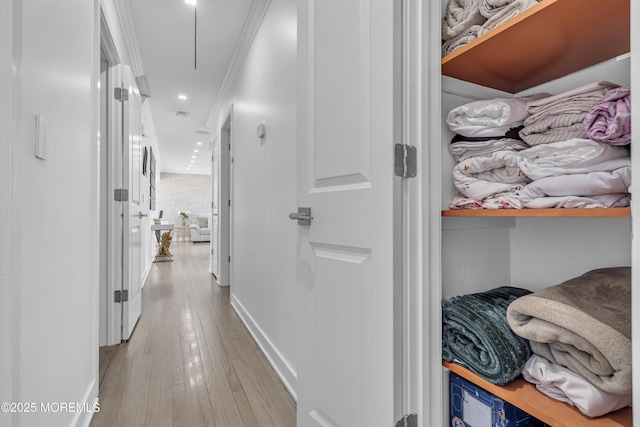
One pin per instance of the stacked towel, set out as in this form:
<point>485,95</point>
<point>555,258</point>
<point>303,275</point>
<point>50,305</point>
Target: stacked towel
<point>466,20</point>
<point>609,121</point>
<point>561,117</point>
<point>476,334</point>
<point>583,325</point>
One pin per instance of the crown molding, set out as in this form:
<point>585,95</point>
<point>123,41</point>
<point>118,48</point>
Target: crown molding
<point>128,27</point>
<point>249,30</point>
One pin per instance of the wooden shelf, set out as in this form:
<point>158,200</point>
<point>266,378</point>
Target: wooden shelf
<point>548,41</point>
<point>553,212</point>
<point>553,412</point>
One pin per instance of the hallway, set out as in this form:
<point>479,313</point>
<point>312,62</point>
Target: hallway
<point>190,362</point>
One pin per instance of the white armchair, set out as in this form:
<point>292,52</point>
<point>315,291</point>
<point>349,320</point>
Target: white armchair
<point>200,230</point>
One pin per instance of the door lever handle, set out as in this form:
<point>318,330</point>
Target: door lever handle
<point>141,215</point>
<point>303,216</point>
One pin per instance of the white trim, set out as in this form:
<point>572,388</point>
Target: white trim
<point>128,27</point>
<point>283,368</point>
<point>8,209</point>
<point>83,418</point>
<point>249,30</point>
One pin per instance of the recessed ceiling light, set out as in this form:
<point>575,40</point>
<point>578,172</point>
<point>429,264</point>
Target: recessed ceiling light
<point>191,2</point>
<point>182,97</point>
<point>199,143</point>
<point>195,151</point>
<point>193,157</point>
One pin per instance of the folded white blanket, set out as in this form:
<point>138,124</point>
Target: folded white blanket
<point>479,177</point>
<point>462,150</point>
<point>561,384</point>
<point>490,117</point>
<point>459,16</point>
<point>568,157</point>
<point>602,189</point>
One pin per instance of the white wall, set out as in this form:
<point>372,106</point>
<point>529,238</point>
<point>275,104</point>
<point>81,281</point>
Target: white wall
<point>263,284</point>
<point>56,283</point>
<point>183,192</point>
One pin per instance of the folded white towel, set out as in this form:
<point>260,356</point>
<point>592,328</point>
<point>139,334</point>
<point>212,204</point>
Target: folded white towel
<point>459,16</point>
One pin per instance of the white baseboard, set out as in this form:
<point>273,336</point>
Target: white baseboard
<point>284,370</point>
<point>83,418</point>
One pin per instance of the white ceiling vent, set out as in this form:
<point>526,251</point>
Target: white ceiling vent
<point>181,114</point>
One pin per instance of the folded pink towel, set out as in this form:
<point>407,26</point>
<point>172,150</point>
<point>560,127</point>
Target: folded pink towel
<point>609,121</point>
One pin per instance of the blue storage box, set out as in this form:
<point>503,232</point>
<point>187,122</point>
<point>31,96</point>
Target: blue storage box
<point>471,406</point>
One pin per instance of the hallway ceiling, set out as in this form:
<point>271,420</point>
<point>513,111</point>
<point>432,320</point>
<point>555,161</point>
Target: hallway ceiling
<point>176,65</point>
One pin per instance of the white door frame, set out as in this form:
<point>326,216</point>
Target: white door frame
<point>113,175</point>
<point>9,214</point>
<point>225,202</point>
<point>215,190</point>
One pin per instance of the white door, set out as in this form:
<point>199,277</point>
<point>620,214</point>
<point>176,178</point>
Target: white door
<point>134,210</point>
<point>346,177</point>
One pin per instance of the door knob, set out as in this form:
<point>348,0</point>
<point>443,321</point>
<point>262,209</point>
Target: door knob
<point>303,216</point>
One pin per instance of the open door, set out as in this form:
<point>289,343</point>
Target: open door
<point>134,209</point>
<point>346,242</point>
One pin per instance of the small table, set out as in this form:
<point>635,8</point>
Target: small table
<point>164,243</point>
<point>182,230</point>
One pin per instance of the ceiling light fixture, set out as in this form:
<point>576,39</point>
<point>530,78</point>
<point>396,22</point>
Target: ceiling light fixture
<point>199,143</point>
<point>193,157</point>
<point>190,2</point>
<point>195,151</point>
<point>182,97</point>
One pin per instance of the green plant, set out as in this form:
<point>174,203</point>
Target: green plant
<point>184,216</point>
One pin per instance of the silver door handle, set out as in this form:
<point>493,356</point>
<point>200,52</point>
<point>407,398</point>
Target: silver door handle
<point>303,216</point>
<point>141,215</point>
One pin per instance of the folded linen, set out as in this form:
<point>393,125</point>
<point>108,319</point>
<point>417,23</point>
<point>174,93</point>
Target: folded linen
<point>490,117</point>
<point>507,200</point>
<point>609,121</point>
<point>479,177</point>
<point>583,324</point>
<point>600,189</point>
<point>463,149</point>
<point>459,16</point>
<point>577,155</point>
<point>476,334</point>
<point>564,385</point>
<point>500,11</point>
<point>462,39</point>
<point>561,117</point>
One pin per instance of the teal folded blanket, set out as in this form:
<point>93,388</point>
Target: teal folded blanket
<point>476,334</point>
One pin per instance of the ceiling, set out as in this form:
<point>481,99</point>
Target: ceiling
<point>176,64</point>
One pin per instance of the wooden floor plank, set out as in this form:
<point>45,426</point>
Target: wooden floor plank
<point>190,361</point>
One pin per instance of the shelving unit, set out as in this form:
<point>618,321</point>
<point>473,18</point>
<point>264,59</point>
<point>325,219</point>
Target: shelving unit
<point>553,412</point>
<point>552,212</point>
<point>545,43</point>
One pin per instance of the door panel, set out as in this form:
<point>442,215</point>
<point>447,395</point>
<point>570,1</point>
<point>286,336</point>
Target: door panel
<point>345,173</point>
<point>133,210</point>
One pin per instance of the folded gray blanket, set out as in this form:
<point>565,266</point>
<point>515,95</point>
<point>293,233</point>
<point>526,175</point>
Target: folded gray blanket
<point>583,324</point>
<point>476,335</point>
<point>459,16</point>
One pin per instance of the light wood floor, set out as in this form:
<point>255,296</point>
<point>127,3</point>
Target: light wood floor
<point>190,361</point>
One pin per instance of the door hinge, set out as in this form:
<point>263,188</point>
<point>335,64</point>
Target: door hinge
<point>406,161</point>
<point>410,420</point>
<point>229,202</point>
<point>229,258</point>
<point>121,94</point>
<point>121,296</point>
<point>120,194</point>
